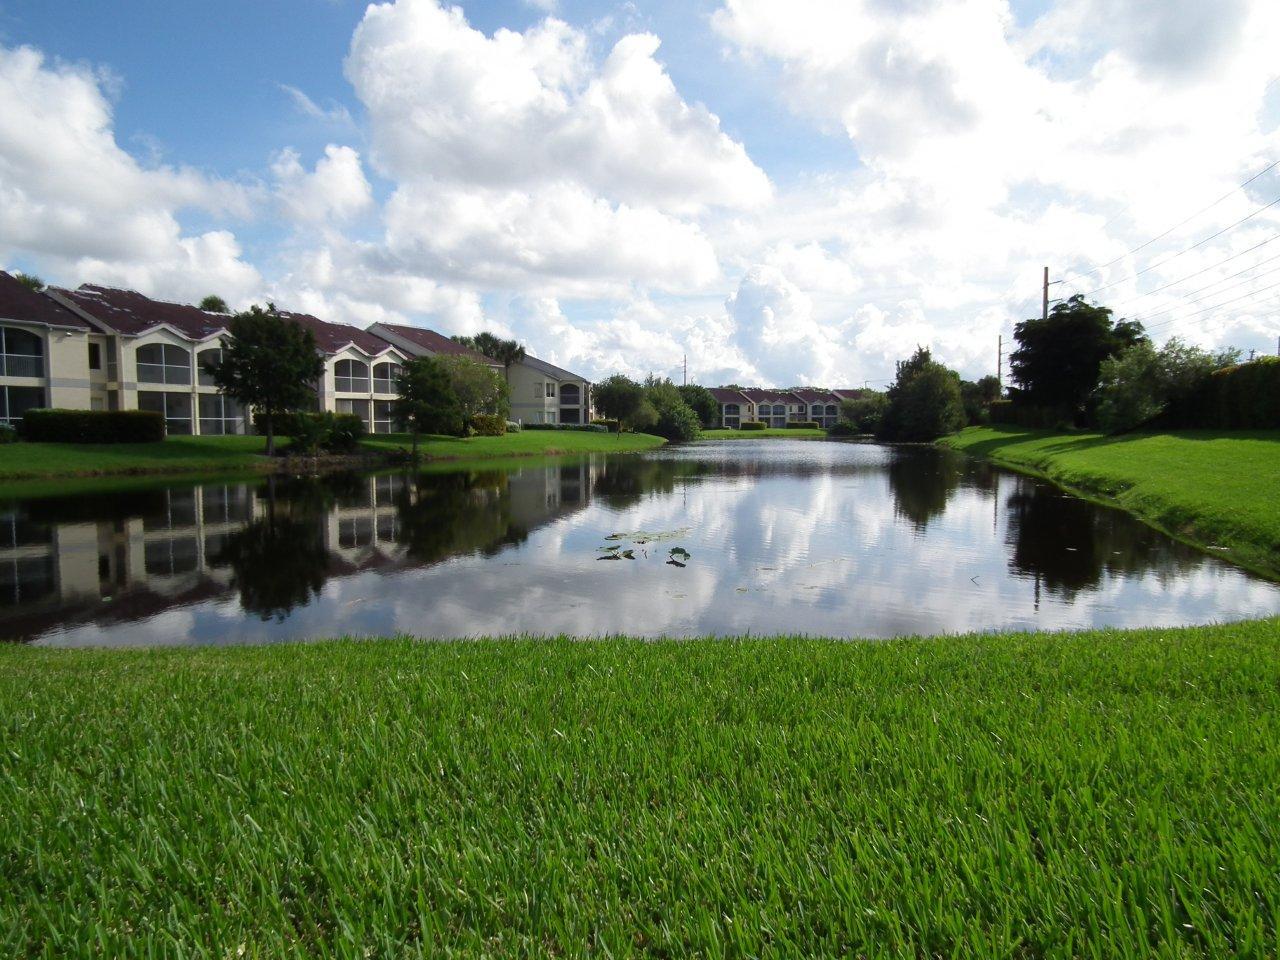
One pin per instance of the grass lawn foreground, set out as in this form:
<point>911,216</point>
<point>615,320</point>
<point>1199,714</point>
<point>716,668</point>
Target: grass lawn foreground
<point>1101,794</point>
<point>1212,488</point>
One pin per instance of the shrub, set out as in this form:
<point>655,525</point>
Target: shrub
<point>488,425</point>
<point>924,401</point>
<point>1244,396</point>
<point>804,425</point>
<point>1142,382</point>
<point>843,428</point>
<point>513,427</point>
<point>752,425</point>
<point>8,434</point>
<point>346,430</point>
<point>611,425</point>
<point>865,413</point>
<point>313,432</point>
<point>93,426</point>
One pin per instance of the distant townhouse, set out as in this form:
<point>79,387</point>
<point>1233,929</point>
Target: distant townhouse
<point>544,393</point>
<point>778,408</point>
<point>46,353</point>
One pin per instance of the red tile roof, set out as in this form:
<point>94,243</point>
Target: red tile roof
<point>19,302</point>
<point>332,337</point>
<point>130,313</point>
<point>434,342</point>
<point>726,395</point>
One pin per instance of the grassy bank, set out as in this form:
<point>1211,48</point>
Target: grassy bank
<point>228,455</point>
<point>1097,794</point>
<point>1215,489</point>
<point>796,434</point>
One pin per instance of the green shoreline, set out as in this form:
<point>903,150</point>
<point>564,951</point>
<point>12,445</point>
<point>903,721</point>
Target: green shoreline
<point>1212,490</point>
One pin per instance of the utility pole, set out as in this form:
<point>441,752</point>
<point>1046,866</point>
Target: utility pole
<point>1045,313</point>
<point>1000,358</point>
<point>685,377</point>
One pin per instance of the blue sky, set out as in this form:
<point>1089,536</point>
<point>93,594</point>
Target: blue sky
<point>862,178</point>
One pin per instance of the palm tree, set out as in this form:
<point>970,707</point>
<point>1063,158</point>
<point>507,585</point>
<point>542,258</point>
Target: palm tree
<point>508,353</point>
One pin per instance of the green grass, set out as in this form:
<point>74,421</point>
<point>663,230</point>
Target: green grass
<point>1104,794</point>
<point>1212,488</point>
<point>796,434</point>
<point>226,455</point>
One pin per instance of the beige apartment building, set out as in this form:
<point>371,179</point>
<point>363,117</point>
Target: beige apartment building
<point>544,393</point>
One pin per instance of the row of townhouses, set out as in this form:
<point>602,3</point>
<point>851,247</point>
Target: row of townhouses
<point>98,348</point>
<point>777,408</point>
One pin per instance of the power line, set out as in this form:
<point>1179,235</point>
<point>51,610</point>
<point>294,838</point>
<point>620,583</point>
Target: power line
<point>1216,306</point>
<point>1188,296</point>
<point>1271,166</point>
<point>1174,283</point>
<point>1180,253</point>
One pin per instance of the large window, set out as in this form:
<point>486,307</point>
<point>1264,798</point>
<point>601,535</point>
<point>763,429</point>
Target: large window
<point>95,356</point>
<point>220,415</point>
<point>21,353</point>
<point>206,360</point>
<point>16,401</point>
<point>570,394</point>
<point>551,390</point>
<point>164,363</point>
<point>359,407</point>
<point>384,377</point>
<point>176,408</point>
<point>351,376</point>
<point>170,557</point>
<point>383,421</point>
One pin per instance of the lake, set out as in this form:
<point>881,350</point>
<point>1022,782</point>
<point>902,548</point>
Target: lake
<point>721,538</point>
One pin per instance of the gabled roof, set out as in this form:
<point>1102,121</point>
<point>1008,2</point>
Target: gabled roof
<point>816,396</point>
<point>850,394</point>
<point>332,337</point>
<point>19,302</point>
<point>726,395</point>
<point>433,343</point>
<point>771,396</point>
<point>129,312</point>
<point>551,370</point>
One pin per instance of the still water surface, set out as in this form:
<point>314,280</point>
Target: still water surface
<point>722,538</point>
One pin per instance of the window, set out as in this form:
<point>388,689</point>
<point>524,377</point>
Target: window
<point>356,532</point>
<point>95,356</point>
<point>178,512</point>
<point>816,411</point>
<point>16,401</point>
<point>351,376</point>
<point>383,422</point>
<point>26,579</point>
<point>551,416</point>
<point>551,390</point>
<point>731,410</point>
<point>226,504</point>
<point>206,360</point>
<point>570,394</point>
<point>168,557</point>
<point>164,363</point>
<point>359,407</point>
<point>176,408</point>
<point>220,415</point>
<point>384,377</point>
<point>538,391</point>
<point>832,410</point>
<point>21,353</point>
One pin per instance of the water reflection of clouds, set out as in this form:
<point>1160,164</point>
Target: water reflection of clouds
<point>822,539</point>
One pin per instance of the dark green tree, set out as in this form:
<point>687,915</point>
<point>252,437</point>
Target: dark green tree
<point>924,401</point>
<point>865,412</point>
<point>506,352</point>
<point>269,364</point>
<point>620,398</point>
<point>29,280</point>
<point>1058,359</point>
<point>702,402</point>
<point>426,401</point>
<point>978,396</point>
<point>214,304</point>
<point>672,417</point>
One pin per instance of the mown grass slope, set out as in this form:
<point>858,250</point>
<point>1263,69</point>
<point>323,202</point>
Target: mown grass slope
<point>1217,489</point>
<point>1104,794</point>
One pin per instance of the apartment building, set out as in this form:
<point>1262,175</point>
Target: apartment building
<point>544,393</point>
<point>777,408</point>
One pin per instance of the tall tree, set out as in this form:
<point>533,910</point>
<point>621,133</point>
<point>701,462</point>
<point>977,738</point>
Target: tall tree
<point>506,352</point>
<point>619,398</point>
<point>214,304</point>
<point>1058,359</point>
<point>269,364</point>
<point>702,402</point>
<point>30,281</point>
<point>478,388</point>
<point>426,401</point>
<point>924,401</point>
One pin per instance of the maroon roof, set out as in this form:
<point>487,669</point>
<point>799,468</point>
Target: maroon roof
<point>332,337</point>
<point>771,396</point>
<point>848,394</point>
<point>130,313</point>
<point>434,342</point>
<point>816,396</point>
<point>725,395</point>
<point>19,302</point>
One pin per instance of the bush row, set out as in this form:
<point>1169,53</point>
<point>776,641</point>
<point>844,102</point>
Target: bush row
<point>582,427</point>
<point>752,425</point>
<point>804,425</point>
<point>92,426</point>
<point>1245,396</point>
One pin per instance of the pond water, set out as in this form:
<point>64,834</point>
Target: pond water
<point>723,538</point>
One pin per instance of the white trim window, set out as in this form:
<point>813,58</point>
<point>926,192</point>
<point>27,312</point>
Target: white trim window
<point>16,401</point>
<point>351,376</point>
<point>164,363</point>
<point>176,408</point>
<point>206,359</point>
<point>551,392</point>
<point>383,418</point>
<point>220,415</point>
<point>21,353</point>
<point>385,376</point>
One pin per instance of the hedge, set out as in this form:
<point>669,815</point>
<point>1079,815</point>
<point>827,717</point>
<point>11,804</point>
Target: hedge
<point>584,427</point>
<point>1241,397</point>
<point>488,425</point>
<point>92,426</point>
<point>613,426</point>
<point>804,425</point>
<point>752,425</point>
